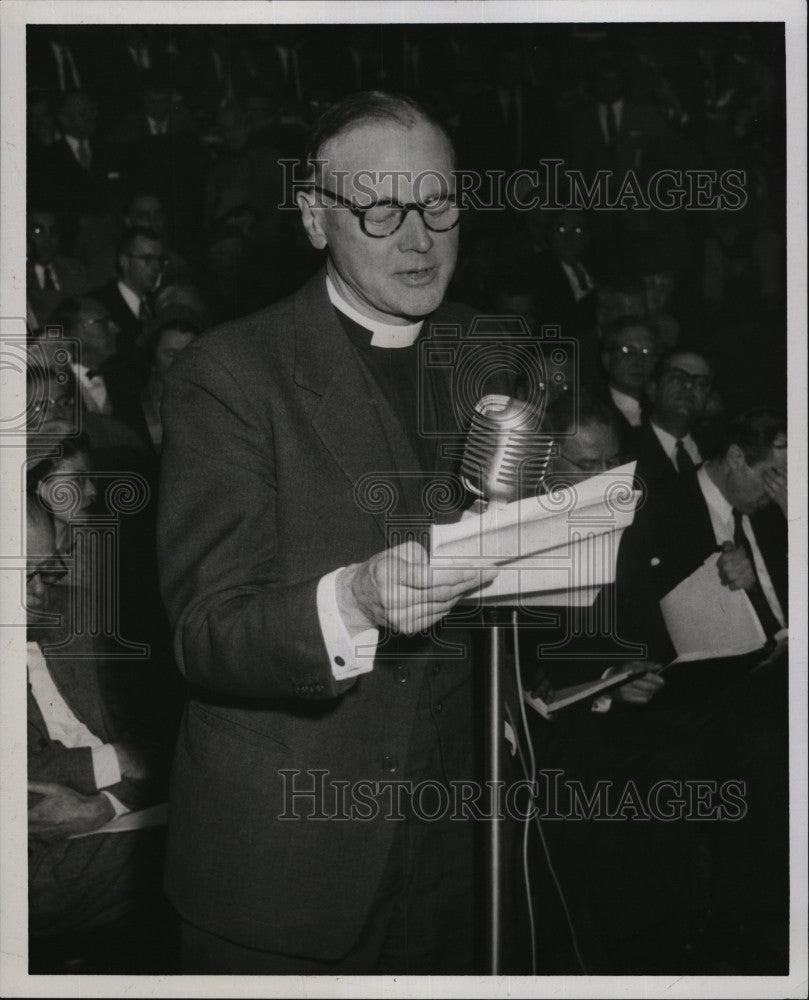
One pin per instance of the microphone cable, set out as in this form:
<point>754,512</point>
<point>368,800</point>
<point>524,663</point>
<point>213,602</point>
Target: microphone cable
<point>531,773</point>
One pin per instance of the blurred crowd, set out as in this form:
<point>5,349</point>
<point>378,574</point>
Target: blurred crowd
<point>155,179</point>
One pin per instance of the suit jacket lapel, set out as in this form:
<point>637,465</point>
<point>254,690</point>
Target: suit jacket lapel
<point>355,423</point>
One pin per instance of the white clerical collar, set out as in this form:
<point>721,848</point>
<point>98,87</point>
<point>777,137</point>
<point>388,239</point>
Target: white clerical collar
<point>384,334</point>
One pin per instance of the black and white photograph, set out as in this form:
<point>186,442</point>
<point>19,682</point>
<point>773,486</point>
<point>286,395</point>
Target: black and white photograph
<point>403,426</point>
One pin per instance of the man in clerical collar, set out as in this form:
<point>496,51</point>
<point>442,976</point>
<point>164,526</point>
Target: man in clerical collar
<point>303,618</point>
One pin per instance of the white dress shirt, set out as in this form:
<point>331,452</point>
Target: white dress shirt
<point>722,520</point>
<point>618,111</point>
<point>42,270</point>
<point>93,391</point>
<point>131,298</point>
<point>577,279</point>
<point>80,148</point>
<point>628,405</point>
<point>669,444</point>
<point>63,726</point>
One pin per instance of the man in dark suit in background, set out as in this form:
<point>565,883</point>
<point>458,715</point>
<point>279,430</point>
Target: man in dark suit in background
<point>140,263</point>
<point>628,355</point>
<point>294,624</point>
<point>84,769</point>
<point>51,277</point>
<point>677,391</point>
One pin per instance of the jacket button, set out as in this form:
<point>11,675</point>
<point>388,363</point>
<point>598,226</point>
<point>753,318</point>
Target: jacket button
<point>436,670</point>
<point>439,708</point>
<point>403,673</point>
<point>339,661</point>
<point>390,763</point>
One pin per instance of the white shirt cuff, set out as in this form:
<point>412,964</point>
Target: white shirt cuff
<point>117,805</point>
<point>105,766</point>
<point>348,656</point>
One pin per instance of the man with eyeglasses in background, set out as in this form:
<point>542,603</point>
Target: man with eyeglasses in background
<point>296,627</point>
<point>677,391</point>
<point>129,299</point>
<point>628,354</point>
<point>84,770</point>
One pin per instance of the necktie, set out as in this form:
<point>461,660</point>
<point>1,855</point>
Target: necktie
<point>85,156</point>
<point>760,604</point>
<point>50,282</point>
<point>144,312</point>
<point>684,461</point>
<point>611,124</point>
<point>581,277</point>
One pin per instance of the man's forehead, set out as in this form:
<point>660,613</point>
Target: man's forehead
<point>634,335</point>
<point>379,154</point>
<point>693,364</point>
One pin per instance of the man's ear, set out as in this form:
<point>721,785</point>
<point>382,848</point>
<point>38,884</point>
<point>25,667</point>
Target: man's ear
<point>312,218</point>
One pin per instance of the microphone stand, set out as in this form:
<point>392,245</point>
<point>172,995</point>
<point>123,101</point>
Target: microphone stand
<point>494,777</point>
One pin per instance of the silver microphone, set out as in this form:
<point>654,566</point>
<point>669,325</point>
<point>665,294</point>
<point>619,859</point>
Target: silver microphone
<point>505,457</point>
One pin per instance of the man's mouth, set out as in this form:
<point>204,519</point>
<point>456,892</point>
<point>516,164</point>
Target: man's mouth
<point>418,275</point>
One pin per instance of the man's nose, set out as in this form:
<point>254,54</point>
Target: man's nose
<point>414,234</point>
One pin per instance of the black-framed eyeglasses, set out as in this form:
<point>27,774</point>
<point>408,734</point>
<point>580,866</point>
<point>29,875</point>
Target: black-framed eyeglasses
<point>682,378</point>
<point>49,575</point>
<point>386,216</point>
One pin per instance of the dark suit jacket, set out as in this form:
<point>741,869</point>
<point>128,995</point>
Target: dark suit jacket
<point>89,881</point>
<point>271,423</point>
<point>654,469</point>
<point>57,180</point>
<point>131,330</point>
<point>675,536</point>
<point>72,277</point>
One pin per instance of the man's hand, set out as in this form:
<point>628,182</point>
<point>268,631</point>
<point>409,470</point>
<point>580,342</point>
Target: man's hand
<point>775,483</point>
<point>130,762</point>
<point>61,811</point>
<point>397,589</point>
<point>735,569</point>
<point>641,690</point>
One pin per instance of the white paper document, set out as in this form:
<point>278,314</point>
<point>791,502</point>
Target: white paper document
<point>705,617</point>
<point>139,820</point>
<point>557,548</point>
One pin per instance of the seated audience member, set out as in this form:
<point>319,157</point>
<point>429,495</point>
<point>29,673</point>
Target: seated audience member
<point>244,172</point>
<point>677,390</point>
<point>85,769</point>
<point>108,385</point>
<point>565,286</point>
<point>155,149</point>
<point>72,177</point>
<point>51,277</point>
<point>140,262</point>
<point>237,281</point>
<point>183,295</point>
<point>659,287</point>
<point>145,211</point>
<point>634,882</point>
<point>172,330</point>
<point>628,354</point>
<point>624,296</point>
<point>720,504</point>
<point>64,486</point>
